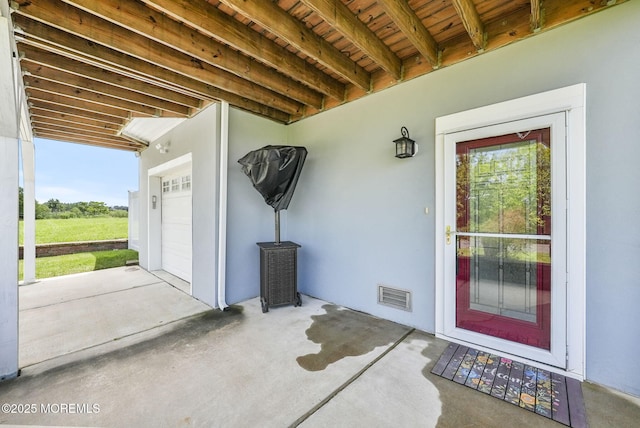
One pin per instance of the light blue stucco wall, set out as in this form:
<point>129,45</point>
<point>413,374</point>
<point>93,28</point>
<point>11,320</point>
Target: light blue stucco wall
<point>249,219</point>
<point>359,213</point>
<point>198,137</point>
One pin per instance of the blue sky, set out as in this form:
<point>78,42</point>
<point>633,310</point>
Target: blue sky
<point>80,173</point>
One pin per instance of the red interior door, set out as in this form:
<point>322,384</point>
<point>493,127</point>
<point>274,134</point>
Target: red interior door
<point>503,239</point>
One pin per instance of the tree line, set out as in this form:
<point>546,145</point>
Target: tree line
<point>53,208</point>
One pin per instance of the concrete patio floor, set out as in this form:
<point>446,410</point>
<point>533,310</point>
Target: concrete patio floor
<point>123,348</point>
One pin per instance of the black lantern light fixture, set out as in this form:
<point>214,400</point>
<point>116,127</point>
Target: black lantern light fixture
<point>405,146</point>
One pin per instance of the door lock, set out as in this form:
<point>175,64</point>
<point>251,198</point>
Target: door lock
<point>448,232</point>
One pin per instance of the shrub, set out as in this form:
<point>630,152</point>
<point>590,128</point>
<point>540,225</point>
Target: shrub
<point>65,215</point>
<point>119,213</point>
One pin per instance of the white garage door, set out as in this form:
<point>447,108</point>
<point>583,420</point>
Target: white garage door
<point>176,223</point>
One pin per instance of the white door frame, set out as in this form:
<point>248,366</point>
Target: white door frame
<point>556,355</point>
<point>154,201</point>
<point>570,100</point>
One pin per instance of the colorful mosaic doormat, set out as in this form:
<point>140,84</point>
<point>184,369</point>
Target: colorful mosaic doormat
<point>548,394</point>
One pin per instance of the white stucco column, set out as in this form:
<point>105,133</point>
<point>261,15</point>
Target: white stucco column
<point>9,149</point>
<point>29,212</point>
<point>8,256</point>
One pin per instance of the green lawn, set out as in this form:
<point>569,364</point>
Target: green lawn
<point>47,267</point>
<point>79,229</point>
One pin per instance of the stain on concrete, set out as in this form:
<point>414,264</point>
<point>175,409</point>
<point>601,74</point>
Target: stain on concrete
<point>345,333</point>
<point>177,335</point>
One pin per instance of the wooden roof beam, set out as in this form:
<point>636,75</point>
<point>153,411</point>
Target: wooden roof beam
<point>47,37</point>
<point>40,115</point>
<point>94,97</point>
<point>74,114</point>
<point>99,31</point>
<point>59,62</point>
<point>73,80</point>
<point>73,132</point>
<point>536,16</point>
<point>121,144</point>
<point>50,98</point>
<point>342,19</point>
<point>148,23</point>
<point>410,25</point>
<point>80,129</point>
<point>209,20</point>
<point>269,15</point>
<point>471,20</point>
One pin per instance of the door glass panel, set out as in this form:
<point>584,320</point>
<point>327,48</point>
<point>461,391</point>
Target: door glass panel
<point>503,251</point>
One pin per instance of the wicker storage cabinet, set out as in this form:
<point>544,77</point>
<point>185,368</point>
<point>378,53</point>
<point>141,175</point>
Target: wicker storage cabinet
<point>279,274</point>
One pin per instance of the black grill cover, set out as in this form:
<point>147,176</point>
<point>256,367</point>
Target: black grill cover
<point>274,172</point>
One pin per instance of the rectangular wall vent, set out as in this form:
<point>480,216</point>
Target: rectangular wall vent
<point>394,297</point>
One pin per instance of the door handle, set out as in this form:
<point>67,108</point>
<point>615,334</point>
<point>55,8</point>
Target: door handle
<point>448,232</point>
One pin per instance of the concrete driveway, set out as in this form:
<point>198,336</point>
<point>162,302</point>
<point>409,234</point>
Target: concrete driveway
<point>124,348</point>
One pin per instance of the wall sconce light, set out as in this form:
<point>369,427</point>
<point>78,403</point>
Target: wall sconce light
<point>154,201</point>
<point>163,147</point>
<point>405,146</point>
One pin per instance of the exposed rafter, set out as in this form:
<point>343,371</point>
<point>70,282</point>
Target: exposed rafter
<point>270,15</point>
<point>471,21</point>
<point>89,67</point>
<point>214,23</point>
<point>76,82</point>
<point>73,113</point>
<point>65,63</point>
<point>342,19</point>
<point>147,23</point>
<point>66,44</point>
<point>411,26</point>
<point>536,16</point>
<point>97,30</point>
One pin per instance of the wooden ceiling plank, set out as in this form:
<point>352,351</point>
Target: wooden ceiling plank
<point>124,145</point>
<point>269,15</point>
<point>410,25</point>
<point>53,60</point>
<point>97,31</point>
<point>340,17</point>
<point>86,51</point>
<point>67,128</point>
<point>104,58</point>
<point>209,20</point>
<point>74,113</point>
<point>40,115</point>
<point>471,21</point>
<point>71,128</point>
<point>94,97</point>
<point>74,134</point>
<point>59,76</point>
<point>148,23</point>
<point>74,102</point>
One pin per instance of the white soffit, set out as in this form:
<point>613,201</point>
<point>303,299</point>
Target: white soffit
<point>150,129</point>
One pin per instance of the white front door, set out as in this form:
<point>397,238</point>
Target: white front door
<point>504,242</point>
<point>176,223</point>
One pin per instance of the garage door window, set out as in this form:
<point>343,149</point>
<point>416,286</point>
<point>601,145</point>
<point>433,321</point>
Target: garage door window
<point>186,182</point>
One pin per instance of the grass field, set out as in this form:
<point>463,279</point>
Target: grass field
<point>79,229</point>
<point>47,267</point>
<point>50,231</point>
